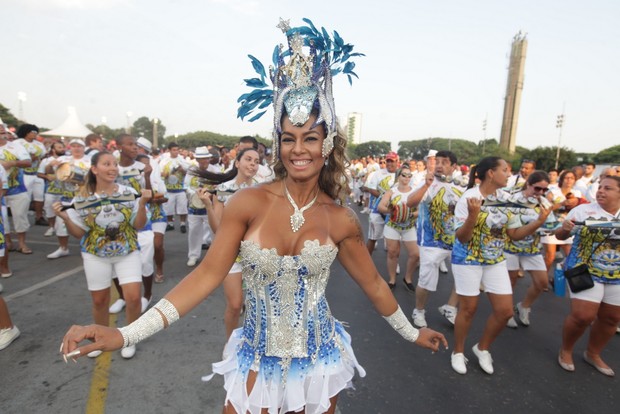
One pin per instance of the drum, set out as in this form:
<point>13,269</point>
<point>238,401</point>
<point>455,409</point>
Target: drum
<point>70,173</point>
<point>401,213</point>
<point>195,202</point>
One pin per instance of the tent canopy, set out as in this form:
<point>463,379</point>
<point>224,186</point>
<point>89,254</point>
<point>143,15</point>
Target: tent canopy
<point>71,128</point>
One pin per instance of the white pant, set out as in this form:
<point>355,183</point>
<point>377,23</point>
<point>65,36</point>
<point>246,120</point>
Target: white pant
<point>199,230</point>
<point>35,186</point>
<point>19,205</point>
<point>50,199</point>
<point>99,270</point>
<point>176,204</point>
<point>147,251</point>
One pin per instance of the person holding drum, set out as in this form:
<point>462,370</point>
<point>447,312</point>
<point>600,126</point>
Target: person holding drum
<point>71,171</point>
<point>400,227</point>
<point>197,218</point>
<point>173,169</point>
<point>54,188</point>
<point>240,176</point>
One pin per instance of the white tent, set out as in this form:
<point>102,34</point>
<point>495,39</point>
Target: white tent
<point>71,128</point>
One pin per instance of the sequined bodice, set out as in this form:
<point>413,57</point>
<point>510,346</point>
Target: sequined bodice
<point>287,313</point>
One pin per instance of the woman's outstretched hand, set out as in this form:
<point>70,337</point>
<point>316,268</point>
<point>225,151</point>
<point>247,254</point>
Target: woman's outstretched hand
<point>103,338</point>
<point>431,339</point>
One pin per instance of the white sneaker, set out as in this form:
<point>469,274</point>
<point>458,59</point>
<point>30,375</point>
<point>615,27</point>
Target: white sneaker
<point>1,288</point>
<point>512,323</point>
<point>418,318</point>
<point>459,363</point>
<point>117,306</point>
<point>523,314</point>
<point>144,302</point>
<point>398,268</point>
<point>94,354</point>
<point>618,329</point>
<point>484,359</point>
<point>60,252</point>
<point>7,336</point>
<point>192,262</point>
<point>449,312</point>
<point>442,267</point>
<point>49,232</point>
<point>128,352</point>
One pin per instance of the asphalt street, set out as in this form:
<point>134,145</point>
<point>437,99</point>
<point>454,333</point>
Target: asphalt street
<point>45,297</point>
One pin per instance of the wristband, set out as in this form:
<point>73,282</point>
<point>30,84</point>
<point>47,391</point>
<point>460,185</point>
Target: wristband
<point>151,322</point>
<point>399,322</point>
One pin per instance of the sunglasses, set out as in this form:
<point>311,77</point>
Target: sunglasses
<point>406,175</point>
<point>541,189</point>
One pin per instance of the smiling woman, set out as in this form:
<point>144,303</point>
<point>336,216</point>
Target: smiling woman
<point>291,354</point>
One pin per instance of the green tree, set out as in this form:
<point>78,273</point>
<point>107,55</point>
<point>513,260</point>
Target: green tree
<point>7,117</point>
<point>609,155</point>
<point>143,127</point>
<point>105,131</point>
<point>376,148</point>
<point>202,138</point>
<point>545,157</point>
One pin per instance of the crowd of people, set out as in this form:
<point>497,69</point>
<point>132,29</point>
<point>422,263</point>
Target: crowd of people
<point>273,222</point>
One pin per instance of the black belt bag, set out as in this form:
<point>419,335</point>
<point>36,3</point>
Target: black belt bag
<point>579,278</point>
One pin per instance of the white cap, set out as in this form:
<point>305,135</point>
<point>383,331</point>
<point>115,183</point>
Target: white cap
<point>202,152</point>
<point>77,141</point>
<point>145,143</point>
<point>431,153</point>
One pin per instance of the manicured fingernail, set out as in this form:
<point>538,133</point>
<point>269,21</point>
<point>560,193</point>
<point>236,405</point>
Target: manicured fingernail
<point>74,353</point>
<point>64,357</point>
<point>60,347</point>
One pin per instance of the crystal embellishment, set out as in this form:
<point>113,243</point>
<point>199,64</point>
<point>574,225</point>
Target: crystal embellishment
<point>297,219</point>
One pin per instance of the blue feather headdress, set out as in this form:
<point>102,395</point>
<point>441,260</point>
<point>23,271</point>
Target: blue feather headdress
<point>300,82</point>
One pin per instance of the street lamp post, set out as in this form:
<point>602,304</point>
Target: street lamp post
<point>559,123</point>
<point>128,127</point>
<point>21,97</point>
<point>155,122</point>
<point>484,133</point>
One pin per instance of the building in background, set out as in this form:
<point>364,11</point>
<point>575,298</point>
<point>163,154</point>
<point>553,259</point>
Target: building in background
<point>354,128</point>
<point>508,137</point>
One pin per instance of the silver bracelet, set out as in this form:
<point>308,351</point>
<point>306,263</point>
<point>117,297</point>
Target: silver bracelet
<point>149,323</point>
<point>399,322</point>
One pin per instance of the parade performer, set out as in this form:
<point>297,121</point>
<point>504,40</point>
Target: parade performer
<point>291,353</point>
<point>597,246</point>
<point>436,200</point>
<point>105,216</point>
<point>482,226</point>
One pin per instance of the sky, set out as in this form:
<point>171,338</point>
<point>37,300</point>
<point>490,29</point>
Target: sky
<point>432,68</point>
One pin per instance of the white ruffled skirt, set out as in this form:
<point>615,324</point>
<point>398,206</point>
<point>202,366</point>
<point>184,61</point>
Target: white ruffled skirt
<point>303,384</point>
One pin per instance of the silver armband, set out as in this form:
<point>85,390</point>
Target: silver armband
<point>149,323</point>
<point>399,322</point>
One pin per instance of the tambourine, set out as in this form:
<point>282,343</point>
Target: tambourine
<point>71,173</point>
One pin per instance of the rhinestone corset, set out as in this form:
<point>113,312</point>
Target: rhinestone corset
<point>287,315</point>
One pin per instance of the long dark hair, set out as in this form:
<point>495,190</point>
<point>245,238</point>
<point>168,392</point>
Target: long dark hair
<point>563,176</point>
<point>480,170</point>
<point>211,178</point>
<point>90,184</point>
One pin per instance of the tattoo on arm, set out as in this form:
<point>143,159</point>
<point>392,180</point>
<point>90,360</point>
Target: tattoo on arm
<point>359,236</point>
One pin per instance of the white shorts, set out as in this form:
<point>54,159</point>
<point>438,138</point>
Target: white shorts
<point>176,204</point>
<point>99,270</point>
<point>35,186</point>
<point>516,262</point>
<point>376,223</point>
<point>159,227</point>
<point>467,279</point>
<point>430,259</point>
<point>5,221</point>
<point>551,239</point>
<point>50,199</point>
<point>19,205</point>
<point>61,228</point>
<point>600,293</point>
<point>147,251</point>
<point>402,235</point>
